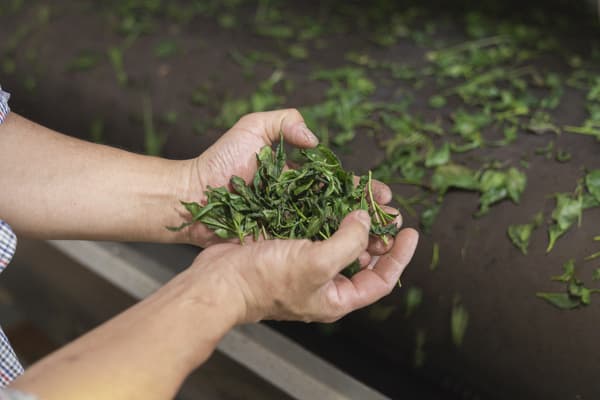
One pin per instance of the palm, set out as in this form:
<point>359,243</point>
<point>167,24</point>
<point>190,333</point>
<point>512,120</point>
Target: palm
<point>233,154</point>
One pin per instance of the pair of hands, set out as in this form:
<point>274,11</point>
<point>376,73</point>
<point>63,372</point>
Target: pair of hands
<point>291,279</point>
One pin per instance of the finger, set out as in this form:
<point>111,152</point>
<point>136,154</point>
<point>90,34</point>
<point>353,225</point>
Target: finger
<point>373,261</point>
<point>369,285</point>
<point>364,259</point>
<point>377,245</point>
<point>289,121</point>
<point>344,247</point>
<point>382,193</point>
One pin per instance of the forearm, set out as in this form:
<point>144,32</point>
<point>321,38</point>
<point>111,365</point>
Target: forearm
<point>144,353</point>
<point>55,186</point>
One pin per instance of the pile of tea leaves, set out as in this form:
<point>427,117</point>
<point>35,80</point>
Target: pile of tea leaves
<point>305,203</point>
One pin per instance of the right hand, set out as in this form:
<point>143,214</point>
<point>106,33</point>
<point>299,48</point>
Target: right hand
<point>300,279</point>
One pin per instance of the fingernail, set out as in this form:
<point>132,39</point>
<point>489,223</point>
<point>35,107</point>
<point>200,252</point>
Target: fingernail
<point>364,218</point>
<point>309,135</point>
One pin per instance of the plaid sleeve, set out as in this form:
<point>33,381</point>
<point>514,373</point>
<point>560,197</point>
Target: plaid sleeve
<point>8,244</point>
<point>4,109</point>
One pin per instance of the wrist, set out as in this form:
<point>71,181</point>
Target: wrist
<point>198,311</point>
<point>191,188</point>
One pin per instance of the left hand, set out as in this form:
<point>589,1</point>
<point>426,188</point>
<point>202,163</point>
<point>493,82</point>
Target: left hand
<point>298,279</point>
<point>235,154</point>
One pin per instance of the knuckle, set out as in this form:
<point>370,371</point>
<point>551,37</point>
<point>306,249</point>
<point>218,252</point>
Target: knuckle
<point>249,118</point>
<point>293,112</point>
<point>389,288</point>
<point>363,239</point>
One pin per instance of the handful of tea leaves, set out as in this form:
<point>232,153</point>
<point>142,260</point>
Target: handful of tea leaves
<point>305,203</point>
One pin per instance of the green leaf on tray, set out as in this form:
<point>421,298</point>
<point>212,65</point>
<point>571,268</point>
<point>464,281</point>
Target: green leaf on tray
<point>567,212</point>
<point>437,101</point>
<point>420,341</point>
<point>84,61</point>
<point>414,297</point>
<point>521,234</point>
<point>559,300</point>
<point>454,176</point>
<point>541,122</point>
<point>428,217</point>
<point>459,321</point>
<point>568,274</point>
<point>592,183</point>
<point>435,257</point>
<point>166,49</point>
<point>497,185</point>
<point>380,312</point>
<point>575,295</point>
<point>436,157</point>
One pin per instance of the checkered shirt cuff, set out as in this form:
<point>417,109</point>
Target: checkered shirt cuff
<point>4,109</point>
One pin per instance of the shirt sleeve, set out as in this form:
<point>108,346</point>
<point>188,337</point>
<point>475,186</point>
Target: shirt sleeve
<point>4,109</point>
<point>8,244</point>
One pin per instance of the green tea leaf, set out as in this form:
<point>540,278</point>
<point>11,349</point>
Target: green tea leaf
<point>454,176</point>
<point>437,101</point>
<point>541,122</point>
<point>567,212</point>
<point>420,341</point>
<point>380,312</point>
<point>414,297</point>
<point>436,157</point>
<point>166,49</point>
<point>435,257</point>
<point>428,217</point>
<point>521,234</point>
<point>592,182</point>
<point>568,274</point>
<point>459,321</point>
<point>559,300</point>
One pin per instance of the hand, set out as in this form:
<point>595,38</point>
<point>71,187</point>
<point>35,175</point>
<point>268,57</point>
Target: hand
<point>300,279</point>
<point>235,154</point>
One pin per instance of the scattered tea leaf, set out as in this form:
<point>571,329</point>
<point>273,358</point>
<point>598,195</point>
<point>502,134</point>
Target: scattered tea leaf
<point>380,312</point>
<point>84,61</point>
<point>592,183</point>
<point>592,256</point>
<point>428,217</point>
<point>420,340</point>
<point>521,234</point>
<point>459,322</point>
<point>435,257</point>
<point>166,49</point>
<point>437,101</point>
<point>414,297</point>
<point>559,300</point>
<point>568,274</point>
<point>567,212</point>
<point>454,176</point>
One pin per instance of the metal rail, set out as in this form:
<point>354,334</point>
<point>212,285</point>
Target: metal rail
<point>267,353</point>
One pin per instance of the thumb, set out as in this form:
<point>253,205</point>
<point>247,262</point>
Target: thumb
<point>349,242</point>
<point>289,121</point>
